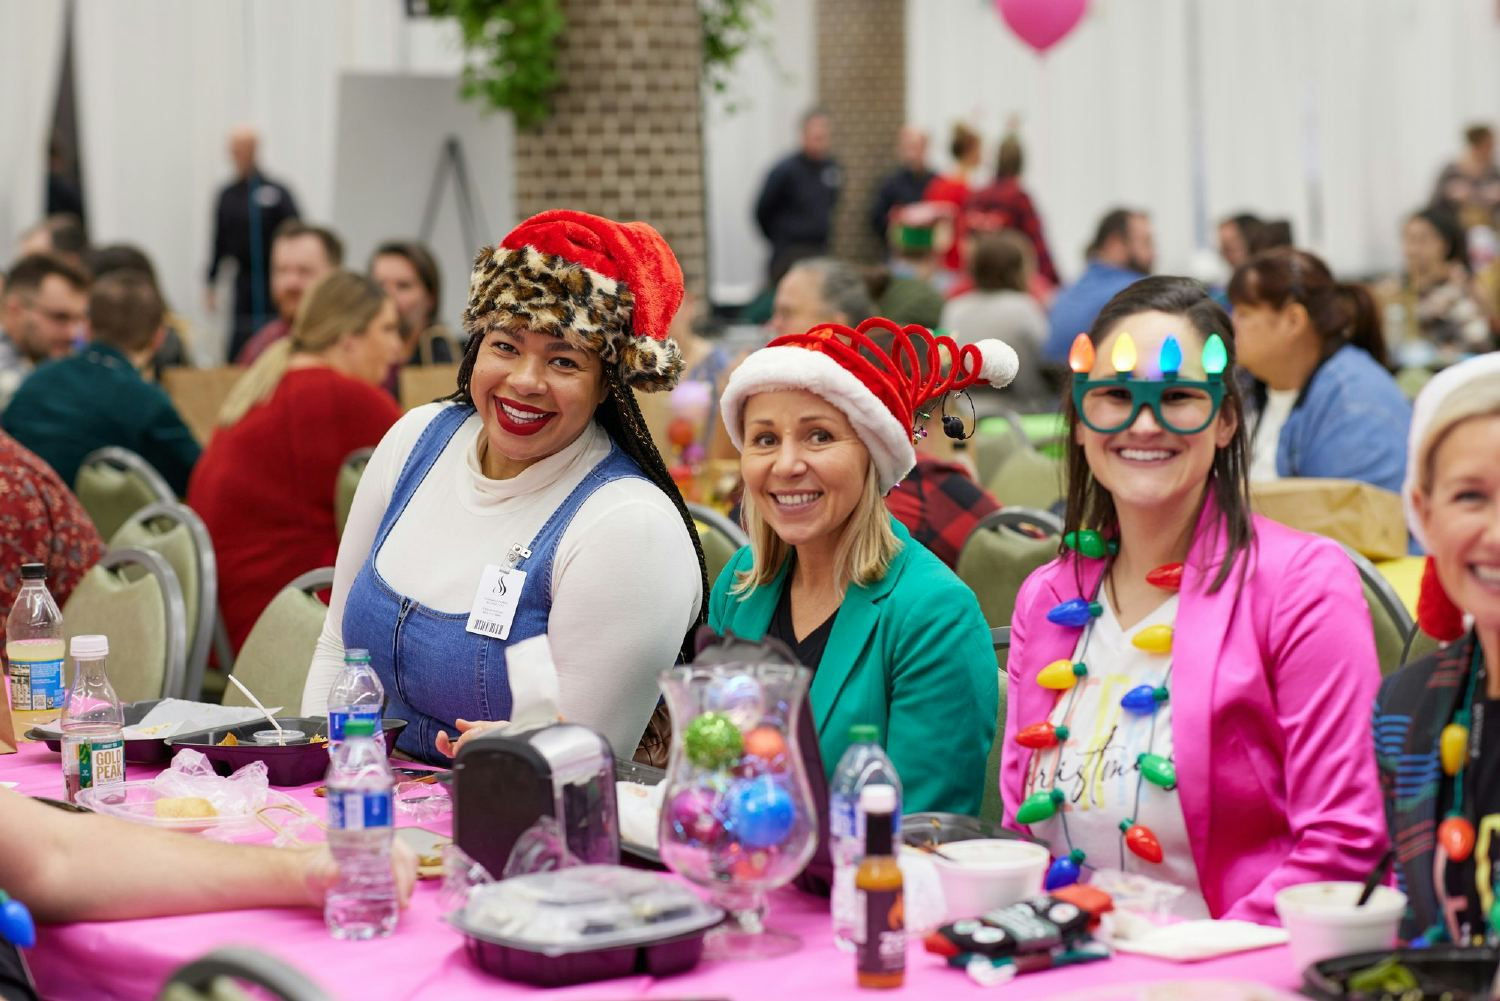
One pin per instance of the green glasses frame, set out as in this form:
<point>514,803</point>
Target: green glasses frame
<point>1147,393</point>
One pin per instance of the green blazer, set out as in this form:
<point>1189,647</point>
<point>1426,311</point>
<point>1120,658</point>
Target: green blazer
<point>910,653</point>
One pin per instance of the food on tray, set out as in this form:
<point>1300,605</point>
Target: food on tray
<point>178,807</point>
<point>318,738</point>
<point>230,740</point>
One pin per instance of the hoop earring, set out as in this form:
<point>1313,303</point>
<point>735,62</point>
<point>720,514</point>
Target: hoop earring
<point>953,426</point>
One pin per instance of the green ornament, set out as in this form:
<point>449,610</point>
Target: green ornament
<point>1077,856</point>
<point>1062,733</point>
<point>1161,695</point>
<point>1086,542</point>
<point>1157,770</point>
<point>1039,806</point>
<point>1096,609</point>
<point>713,741</point>
<point>1080,669</point>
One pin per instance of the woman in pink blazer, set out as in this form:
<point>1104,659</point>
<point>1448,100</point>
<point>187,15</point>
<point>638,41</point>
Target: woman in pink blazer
<point>1189,684</point>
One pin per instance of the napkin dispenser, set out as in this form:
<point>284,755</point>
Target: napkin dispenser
<point>549,790</point>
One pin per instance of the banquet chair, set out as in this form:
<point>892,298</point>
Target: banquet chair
<point>178,535</point>
<point>218,975</point>
<point>997,438</point>
<point>994,561</point>
<point>1028,521</point>
<point>274,661</point>
<point>1392,622</point>
<point>721,538</point>
<point>991,808</point>
<point>352,468</point>
<point>113,483</point>
<point>1027,478</point>
<point>419,384</point>
<point>133,597</point>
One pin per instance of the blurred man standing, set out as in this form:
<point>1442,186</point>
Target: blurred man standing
<point>905,184</point>
<point>795,207</point>
<point>249,211</point>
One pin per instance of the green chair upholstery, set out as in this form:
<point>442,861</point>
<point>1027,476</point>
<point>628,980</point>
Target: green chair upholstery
<point>218,976</point>
<point>721,539</point>
<point>994,562</point>
<point>347,483</point>
<point>1418,645</point>
<point>179,536</point>
<point>1388,615</point>
<point>114,483</point>
<point>132,597</point>
<point>991,808</point>
<point>276,656</point>
<point>1027,478</point>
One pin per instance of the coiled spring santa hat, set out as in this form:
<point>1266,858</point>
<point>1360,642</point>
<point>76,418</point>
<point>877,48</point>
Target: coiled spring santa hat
<point>880,391</point>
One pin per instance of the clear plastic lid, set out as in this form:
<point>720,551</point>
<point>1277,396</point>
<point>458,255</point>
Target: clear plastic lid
<point>583,908</point>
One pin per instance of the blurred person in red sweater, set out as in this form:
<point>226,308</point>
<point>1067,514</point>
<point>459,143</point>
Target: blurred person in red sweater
<point>954,188</point>
<point>265,484</point>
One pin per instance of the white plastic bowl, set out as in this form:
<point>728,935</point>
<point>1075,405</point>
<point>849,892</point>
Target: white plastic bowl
<point>1323,921</point>
<point>981,875</point>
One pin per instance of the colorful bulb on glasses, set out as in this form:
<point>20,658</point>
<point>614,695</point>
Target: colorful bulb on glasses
<point>1170,359</point>
<point>1081,355</point>
<point>1124,356</point>
<point>1215,356</point>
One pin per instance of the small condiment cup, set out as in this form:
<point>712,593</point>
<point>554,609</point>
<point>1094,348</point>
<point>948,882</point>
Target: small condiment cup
<point>1325,920</point>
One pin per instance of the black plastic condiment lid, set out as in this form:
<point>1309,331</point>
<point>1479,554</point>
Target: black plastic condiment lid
<point>33,571</point>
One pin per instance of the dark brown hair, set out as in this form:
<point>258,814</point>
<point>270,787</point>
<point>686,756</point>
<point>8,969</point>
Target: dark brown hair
<point>125,310</point>
<point>1116,223</point>
<point>1475,135</point>
<point>422,262</point>
<point>1012,158</point>
<point>963,142</point>
<point>999,261</point>
<point>28,273</point>
<point>1340,313</point>
<point>333,247</point>
<point>1089,503</point>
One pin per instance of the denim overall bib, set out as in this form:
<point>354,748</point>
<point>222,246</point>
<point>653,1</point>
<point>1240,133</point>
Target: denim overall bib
<point>434,670</point>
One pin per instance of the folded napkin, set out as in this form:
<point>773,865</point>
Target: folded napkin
<point>1187,941</point>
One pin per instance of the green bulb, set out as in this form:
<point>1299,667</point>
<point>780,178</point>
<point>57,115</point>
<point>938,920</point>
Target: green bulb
<point>1039,806</point>
<point>1086,543</point>
<point>1215,355</point>
<point>1159,771</point>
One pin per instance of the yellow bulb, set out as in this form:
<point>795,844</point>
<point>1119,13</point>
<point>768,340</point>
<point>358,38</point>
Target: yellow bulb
<point>1123,357</point>
<point>1153,639</point>
<point>1453,745</point>
<point>1058,674</point>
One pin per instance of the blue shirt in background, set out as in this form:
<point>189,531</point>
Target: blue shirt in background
<point>1075,307</point>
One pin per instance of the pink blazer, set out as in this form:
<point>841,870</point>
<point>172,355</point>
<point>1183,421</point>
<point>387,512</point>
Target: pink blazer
<point>1272,689</point>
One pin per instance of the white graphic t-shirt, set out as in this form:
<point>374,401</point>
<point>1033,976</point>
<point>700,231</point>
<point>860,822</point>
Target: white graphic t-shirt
<point>1099,773</point>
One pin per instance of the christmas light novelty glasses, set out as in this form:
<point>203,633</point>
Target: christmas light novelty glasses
<point>1181,406</point>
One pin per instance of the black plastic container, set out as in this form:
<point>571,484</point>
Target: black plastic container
<point>666,958</point>
<point>143,751</point>
<point>291,764</point>
<point>919,829</point>
<point>1438,969</point>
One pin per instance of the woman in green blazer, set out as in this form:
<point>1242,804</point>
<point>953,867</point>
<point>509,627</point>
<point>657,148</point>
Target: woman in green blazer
<point>824,423</point>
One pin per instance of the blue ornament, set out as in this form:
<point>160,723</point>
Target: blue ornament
<point>15,923</point>
<point>1075,612</point>
<point>1064,871</point>
<point>761,812</point>
<point>1143,699</point>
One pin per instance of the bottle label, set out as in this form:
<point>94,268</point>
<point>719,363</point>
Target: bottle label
<point>100,762</point>
<point>880,931</point>
<point>37,684</point>
<point>359,809</point>
<point>337,719</point>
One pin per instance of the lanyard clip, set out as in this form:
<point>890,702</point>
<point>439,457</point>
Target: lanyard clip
<point>517,553</point>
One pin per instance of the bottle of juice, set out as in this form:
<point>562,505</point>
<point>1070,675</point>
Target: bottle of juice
<point>34,651</point>
<point>880,918</point>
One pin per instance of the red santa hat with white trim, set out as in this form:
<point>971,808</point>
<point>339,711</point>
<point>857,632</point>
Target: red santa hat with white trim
<point>880,390</point>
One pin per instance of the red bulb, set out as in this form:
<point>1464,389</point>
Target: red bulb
<point>1456,835</point>
<point>1038,736</point>
<point>1140,840</point>
<point>1168,577</point>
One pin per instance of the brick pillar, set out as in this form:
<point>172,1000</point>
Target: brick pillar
<point>625,139</point>
<point>862,83</point>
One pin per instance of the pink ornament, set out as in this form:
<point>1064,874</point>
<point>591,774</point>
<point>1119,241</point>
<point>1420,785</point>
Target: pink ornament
<point>1041,24</point>
<point>696,816</point>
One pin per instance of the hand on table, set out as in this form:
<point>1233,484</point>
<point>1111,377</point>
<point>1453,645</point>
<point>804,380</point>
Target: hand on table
<point>322,872</point>
<point>468,729</point>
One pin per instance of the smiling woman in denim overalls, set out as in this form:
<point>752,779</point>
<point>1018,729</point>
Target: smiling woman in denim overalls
<point>531,501</point>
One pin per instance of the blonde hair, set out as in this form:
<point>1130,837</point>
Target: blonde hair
<point>340,304</point>
<point>865,550</point>
<point>1479,398</point>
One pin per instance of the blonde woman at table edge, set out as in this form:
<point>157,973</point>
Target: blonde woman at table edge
<point>86,867</point>
<point>1222,753</point>
<point>530,502</point>
<point>1437,720</point>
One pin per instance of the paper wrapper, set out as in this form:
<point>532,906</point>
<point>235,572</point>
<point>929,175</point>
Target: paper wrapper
<point>1367,519</point>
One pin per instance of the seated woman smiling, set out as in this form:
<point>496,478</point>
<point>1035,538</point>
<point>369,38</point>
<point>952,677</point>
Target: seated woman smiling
<point>824,423</point>
<point>535,481</point>
<point>1186,678</point>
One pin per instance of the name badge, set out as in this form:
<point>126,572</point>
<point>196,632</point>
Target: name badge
<point>496,600</point>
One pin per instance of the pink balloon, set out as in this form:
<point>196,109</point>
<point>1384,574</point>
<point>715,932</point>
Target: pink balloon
<point>1041,24</point>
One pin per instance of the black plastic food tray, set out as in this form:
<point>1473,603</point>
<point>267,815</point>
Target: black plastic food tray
<point>289,765</point>
<point>664,958</point>
<point>1437,969</point>
<point>144,751</point>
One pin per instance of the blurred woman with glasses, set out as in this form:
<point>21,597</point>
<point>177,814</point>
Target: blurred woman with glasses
<point>1174,619</point>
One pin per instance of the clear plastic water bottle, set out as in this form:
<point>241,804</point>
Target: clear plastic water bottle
<point>362,903</point>
<point>356,694</point>
<point>34,649</point>
<point>864,764</point>
<point>93,723</point>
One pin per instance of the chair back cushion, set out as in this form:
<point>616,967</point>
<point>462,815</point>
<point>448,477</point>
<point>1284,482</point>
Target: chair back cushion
<point>132,613</point>
<point>173,543</point>
<point>276,656</point>
<point>1029,479</point>
<point>111,495</point>
<point>994,562</point>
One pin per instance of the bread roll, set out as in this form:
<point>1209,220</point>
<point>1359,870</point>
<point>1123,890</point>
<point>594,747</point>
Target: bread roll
<point>185,806</point>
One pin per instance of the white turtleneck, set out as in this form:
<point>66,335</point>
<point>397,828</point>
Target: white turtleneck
<point>625,581</point>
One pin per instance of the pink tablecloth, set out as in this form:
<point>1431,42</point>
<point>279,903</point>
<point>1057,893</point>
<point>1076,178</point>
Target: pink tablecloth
<point>424,960</point>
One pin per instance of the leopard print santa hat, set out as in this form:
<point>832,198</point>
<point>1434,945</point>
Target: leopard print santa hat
<point>606,286</point>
